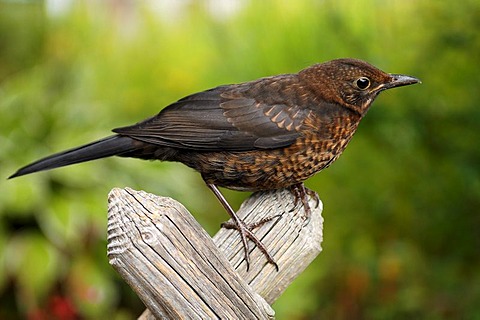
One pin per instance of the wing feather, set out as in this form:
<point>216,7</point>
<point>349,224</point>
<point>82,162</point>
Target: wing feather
<point>226,118</point>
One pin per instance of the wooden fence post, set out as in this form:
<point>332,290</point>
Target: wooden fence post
<point>179,272</point>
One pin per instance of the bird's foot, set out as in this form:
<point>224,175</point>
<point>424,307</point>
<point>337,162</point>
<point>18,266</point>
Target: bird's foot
<point>244,229</point>
<point>301,193</point>
<point>246,232</point>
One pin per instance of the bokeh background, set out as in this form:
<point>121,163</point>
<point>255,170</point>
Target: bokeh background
<point>401,206</point>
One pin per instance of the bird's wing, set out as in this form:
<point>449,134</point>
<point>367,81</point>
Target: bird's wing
<point>226,118</point>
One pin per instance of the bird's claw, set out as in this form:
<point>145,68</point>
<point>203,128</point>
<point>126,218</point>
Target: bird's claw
<point>244,229</point>
<point>301,193</point>
<point>246,232</point>
<point>251,226</point>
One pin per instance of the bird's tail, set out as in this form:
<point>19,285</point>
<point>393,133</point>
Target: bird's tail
<point>111,146</point>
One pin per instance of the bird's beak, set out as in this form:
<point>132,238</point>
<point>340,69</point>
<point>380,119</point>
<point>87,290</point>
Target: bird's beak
<point>399,80</point>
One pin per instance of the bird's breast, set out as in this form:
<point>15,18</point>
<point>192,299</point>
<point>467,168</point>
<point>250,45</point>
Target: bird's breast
<point>271,168</point>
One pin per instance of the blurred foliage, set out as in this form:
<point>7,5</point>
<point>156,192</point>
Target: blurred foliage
<point>401,205</point>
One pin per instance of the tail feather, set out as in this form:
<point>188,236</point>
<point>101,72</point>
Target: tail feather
<point>111,146</point>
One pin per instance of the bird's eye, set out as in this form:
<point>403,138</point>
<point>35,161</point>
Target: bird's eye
<point>362,83</point>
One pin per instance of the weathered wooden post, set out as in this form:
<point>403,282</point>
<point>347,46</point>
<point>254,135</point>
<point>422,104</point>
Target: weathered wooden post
<point>179,272</point>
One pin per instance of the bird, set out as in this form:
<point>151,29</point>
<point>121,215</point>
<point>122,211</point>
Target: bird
<point>271,133</point>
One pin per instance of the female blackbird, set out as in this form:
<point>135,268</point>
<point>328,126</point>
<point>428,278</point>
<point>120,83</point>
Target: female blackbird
<point>269,133</point>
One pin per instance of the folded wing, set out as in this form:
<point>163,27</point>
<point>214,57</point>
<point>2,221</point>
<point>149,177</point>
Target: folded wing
<point>225,118</point>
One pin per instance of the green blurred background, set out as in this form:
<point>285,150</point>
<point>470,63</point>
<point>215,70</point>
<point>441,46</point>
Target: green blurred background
<point>401,206</point>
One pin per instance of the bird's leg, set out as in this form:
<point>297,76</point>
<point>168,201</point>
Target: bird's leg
<point>300,192</point>
<point>244,229</point>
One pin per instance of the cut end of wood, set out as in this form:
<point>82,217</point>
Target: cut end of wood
<point>116,237</point>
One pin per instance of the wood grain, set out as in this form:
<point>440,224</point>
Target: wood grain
<point>180,272</point>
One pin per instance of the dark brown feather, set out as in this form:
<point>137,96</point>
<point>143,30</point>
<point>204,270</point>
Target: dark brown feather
<point>227,118</point>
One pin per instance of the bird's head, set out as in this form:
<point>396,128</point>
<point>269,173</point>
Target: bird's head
<point>352,83</point>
